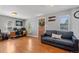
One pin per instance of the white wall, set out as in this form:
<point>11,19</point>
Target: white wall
<point>55,25</point>
<point>75,23</point>
<point>4,23</point>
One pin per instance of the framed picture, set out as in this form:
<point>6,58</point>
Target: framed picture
<point>19,23</point>
<point>52,18</point>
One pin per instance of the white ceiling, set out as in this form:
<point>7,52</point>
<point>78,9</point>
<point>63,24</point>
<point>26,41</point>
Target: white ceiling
<point>28,11</point>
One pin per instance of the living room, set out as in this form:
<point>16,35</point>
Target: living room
<point>25,25</point>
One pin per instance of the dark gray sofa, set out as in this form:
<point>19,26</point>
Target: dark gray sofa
<point>68,41</point>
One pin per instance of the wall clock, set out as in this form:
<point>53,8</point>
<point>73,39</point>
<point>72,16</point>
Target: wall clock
<point>76,14</point>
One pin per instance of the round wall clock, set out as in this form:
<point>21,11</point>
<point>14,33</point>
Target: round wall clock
<point>76,14</point>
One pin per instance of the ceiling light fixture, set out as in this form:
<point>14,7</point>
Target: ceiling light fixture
<point>14,13</point>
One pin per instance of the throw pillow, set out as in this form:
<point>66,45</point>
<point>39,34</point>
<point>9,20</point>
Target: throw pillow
<point>56,36</point>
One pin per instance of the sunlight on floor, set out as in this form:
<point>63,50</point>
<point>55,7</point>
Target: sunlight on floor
<point>30,44</point>
<point>10,47</point>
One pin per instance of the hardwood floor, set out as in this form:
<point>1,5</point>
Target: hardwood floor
<point>27,45</point>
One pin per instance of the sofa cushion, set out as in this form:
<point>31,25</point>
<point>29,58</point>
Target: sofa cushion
<point>49,32</point>
<point>59,41</point>
<point>47,35</point>
<point>63,42</point>
<point>46,38</point>
<point>66,35</point>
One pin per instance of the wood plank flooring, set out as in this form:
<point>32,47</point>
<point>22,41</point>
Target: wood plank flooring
<point>27,45</point>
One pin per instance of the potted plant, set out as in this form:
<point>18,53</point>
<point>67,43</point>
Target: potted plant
<point>41,22</point>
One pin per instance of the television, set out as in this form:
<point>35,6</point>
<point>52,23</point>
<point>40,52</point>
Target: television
<point>19,23</point>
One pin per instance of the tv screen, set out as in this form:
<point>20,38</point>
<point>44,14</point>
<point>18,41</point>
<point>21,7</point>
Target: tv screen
<point>19,23</point>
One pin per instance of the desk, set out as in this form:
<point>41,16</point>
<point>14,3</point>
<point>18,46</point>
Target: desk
<point>17,34</point>
<point>12,34</point>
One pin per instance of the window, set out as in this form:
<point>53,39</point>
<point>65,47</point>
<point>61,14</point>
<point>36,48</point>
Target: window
<point>64,23</point>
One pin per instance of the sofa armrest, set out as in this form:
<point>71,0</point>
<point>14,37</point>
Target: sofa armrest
<point>44,35</point>
<point>75,42</point>
<point>74,39</point>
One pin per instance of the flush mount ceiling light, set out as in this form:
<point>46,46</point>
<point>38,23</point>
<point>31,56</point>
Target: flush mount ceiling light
<point>14,13</point>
